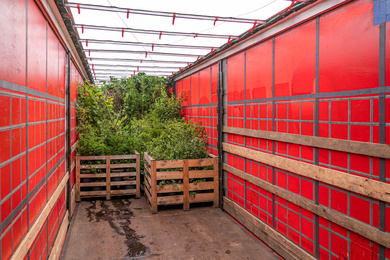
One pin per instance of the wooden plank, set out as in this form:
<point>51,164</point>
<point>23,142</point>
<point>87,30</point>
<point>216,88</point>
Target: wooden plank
<point>200,174</point>
<point>123,157</point>
<point>212,155</point>
<point>93,166</point>
<point>31,235</point>
<point>356,147</point>
<point>92,175</point>
<point>108,178</point>
<point>169,164</point>
<point>121,183</point>
<point>170,188</point>
<point>93,184</point>
<point>147,192</point>
<point>57,246</point>
<point>74,146</point>
<point>78,178</point>
<point>282,245</point>
<point>154,186</point>
<point>123,174</point>
<point>123,165</point>
<point>364,186</point>
<point>170,200</point>
<point>148,158</point>
<point>147,178</point>
<point>171,175</point>
<point>208,185</point>
<point>97,193</point>
<point>200,162</point>
<point>92,158</point>
<point>216,183</point>
<point>138,175</point>
<point>186,186</point>
<point>73,165</point>
<point>123,192</point>
<point>147,168</point>
<point>356,226</point>
<point>202,197</point>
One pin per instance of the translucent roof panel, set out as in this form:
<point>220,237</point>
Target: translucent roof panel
<point>121,37</point>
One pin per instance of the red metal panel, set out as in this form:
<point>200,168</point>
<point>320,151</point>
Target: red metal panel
<point>349,45</point>
<point>52,63</point>
<point>259,71</point>
<point>36,48</point>
<point>295,61</point>
<point>186,91</point>
<point>204,86</point>
<point>13,41</point>
<point>235,77</point>
<point>195,89</point>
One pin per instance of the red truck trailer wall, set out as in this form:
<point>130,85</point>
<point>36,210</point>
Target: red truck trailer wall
<point>32,127</point>
<point>319,78</point>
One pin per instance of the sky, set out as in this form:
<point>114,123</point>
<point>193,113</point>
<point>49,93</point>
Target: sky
<point>112,52</point>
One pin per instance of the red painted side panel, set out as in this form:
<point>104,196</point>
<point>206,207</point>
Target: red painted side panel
<point>13,42</point>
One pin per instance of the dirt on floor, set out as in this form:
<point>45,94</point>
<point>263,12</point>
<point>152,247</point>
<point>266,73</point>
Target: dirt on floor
<point>125,229</point>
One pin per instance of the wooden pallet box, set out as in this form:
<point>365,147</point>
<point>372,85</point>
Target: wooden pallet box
<point>195,180</point>
<point>116,179</point>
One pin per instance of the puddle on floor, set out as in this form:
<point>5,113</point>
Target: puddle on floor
<point>118,214</point>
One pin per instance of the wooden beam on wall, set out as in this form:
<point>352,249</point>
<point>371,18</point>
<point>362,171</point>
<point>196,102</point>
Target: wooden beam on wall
<point>370,188</point>
<point>29,239</point>
<point>282,245</point>
<point>364,148</point>
<point>57,247</point>
<point>374,234</point>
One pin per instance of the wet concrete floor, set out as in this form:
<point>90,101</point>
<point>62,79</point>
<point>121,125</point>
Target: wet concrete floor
<point>125,229</point>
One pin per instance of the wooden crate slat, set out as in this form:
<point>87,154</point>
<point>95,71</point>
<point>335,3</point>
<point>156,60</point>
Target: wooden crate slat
<point>100,193</point>
<point>147,168</point>
<point>170,188</point>
<point>93,166</point>
<point>92,175</point>
<point>123,192</point>
<point>172,175</point>
<point>123,165</point>
<point>202,197</point>
<point>170,200</point>
<point>148,158</point>
<point>123,174</point>
<point>121,183</point>
<point>147,192</point>
<point>147,178</point>
<point>169,164</point>
<point>120,157</point>
<point>92,184</point>
<point>92,158</point>
<point>200,162</point>
<point>209,185</point>
<point>201,174</point>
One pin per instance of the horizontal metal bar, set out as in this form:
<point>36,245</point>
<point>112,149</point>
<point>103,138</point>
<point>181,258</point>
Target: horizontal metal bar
<point>139,60</point>
<point>144,31</point>
<point>109,66</point>
<point>164,14</point>
<point>149,44</point>
<point>144,52</point>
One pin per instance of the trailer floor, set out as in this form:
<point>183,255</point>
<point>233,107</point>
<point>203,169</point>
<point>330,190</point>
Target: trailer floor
<point>125,229</point>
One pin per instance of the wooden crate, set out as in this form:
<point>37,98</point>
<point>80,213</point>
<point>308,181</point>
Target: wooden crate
<point>128,183</point>
<point>162,195</point>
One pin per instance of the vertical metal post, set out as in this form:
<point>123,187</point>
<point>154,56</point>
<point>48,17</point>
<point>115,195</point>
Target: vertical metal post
<point>67,134</point>
<point>220,112</point>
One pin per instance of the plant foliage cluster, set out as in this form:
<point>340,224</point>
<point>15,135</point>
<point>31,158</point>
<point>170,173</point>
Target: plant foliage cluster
<point>136,113</point>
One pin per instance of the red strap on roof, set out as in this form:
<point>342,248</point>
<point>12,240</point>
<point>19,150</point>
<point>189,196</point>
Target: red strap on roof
<point>78,8</point>
<point>146,54</point>
<point>160,36</point>
<point>123,32</point>
<point>216,19</point>
<point>173,19</point>
<point>86,42</point>
<point>152,46</point>
<point>82,28</point>
<point>128,12</point>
